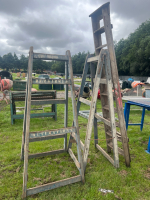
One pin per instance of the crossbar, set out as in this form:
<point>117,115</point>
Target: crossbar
<point>53,185</point>
<point>51,81</point>
<point>43,56</point>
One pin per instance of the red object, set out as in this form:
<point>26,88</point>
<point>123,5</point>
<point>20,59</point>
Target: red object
<point>98,95</point>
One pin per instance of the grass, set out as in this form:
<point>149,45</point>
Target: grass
<point>127,183</point>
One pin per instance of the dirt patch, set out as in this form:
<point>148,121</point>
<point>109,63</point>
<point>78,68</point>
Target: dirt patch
<point>63,175</point>
<point>147,174</point>
<point>123,173</point>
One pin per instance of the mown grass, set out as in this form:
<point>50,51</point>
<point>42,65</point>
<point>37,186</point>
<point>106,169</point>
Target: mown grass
<point>131,183</point>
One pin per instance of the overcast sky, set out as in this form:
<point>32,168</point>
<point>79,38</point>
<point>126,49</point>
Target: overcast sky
<point>54,26</point>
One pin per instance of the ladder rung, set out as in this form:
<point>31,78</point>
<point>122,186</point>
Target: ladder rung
<point>107,122</point>
<point>87,102</point>
<point>51,132</point>
<point>118,136</point>
<point>101,30</point>
<point>103,81</point>
<point>51,81</point>
<point>106,107</point>
<point>120,151</point>
<point>49,57</point>
<point>48,101</point>
<point>93,59</point>
<point>105,45</point>
<point>103,94</point>
<point>50,137</point>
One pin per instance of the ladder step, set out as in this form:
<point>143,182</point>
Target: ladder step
<point>51,132</point>
<point>49,57</point>
<point>103,94</point>
<point>98,12</point>
<point>105,45</point>
<point>51,81</point>
<point>120,151</point>
<point>103,81</point>
<point>107,122</point>
<point>87,102</point>
<point>101,30</point>
<point>48,101</point>
<point>50,137</point>
<point>106,107</point>
<point>37,155</point>
<point>118,136</point>
<point>93,59</point>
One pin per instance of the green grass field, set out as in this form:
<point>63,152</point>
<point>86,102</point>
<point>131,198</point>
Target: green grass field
<point>127,183</point>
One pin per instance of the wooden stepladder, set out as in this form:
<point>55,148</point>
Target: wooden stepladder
<point>106,74</point>
<point>50,134</point>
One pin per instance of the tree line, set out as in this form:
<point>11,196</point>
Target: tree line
<point>132,55</point>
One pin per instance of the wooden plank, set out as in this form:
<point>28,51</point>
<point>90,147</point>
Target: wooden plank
<point>52,132</point>
<point>51,81</point>
<point>81,143</point>
<point>50,137</point>
<point>87,102</point>
<point>110,44</point>
<point>107,122</point>
<point>92,108</point>
<point>92,59</point>
<point>34,115</point>
<point>48,101</point>
<point>103,81</point>
<point>120,151</point>
<point>101,47</point>
<point>111,109</point>
<point>53,185</point>
<point>48,153</point>
<point>100,31</point>
<point>105,154</point>
<point>99,10</point>
<point>74,158</point>
<point>27,124</point>
<point>49,57</point>
<point>75,116</point>
<point>66,105</point>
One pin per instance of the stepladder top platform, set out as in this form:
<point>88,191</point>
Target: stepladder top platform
<point>43,56</point>
<point>99,10</point>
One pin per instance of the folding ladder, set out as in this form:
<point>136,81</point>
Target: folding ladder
<point>106,74</point>
<point>50,134</point>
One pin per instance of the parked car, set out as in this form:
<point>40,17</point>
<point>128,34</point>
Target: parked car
<point>44,76</point>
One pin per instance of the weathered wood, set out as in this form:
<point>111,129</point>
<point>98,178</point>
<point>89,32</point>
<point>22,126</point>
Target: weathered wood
<point>34,115</point>
<point>74,158</point>
<point>52,132</point>
<point>87,102</point>
<point>49,57</point>
<point>75,116</point>
<point>92,59</point>
<point>99,10</point>
<point>111,109</point>
<point>120,151</point>
<point>66,105</point>
<point>100,31</point>
<point>50,137</point>
<point>51,81</point>
<point>107,122</point>
<point>26,145</point>
<point>110,44</point>
<point>48,101</point>
<point>92,108</point>
<point>81,143</point>
<point>37,155</point>
<point>105,154</point>
<point>101,47</point>
<point>53,185</point>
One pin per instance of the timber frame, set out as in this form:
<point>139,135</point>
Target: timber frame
<point>50,134</point>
